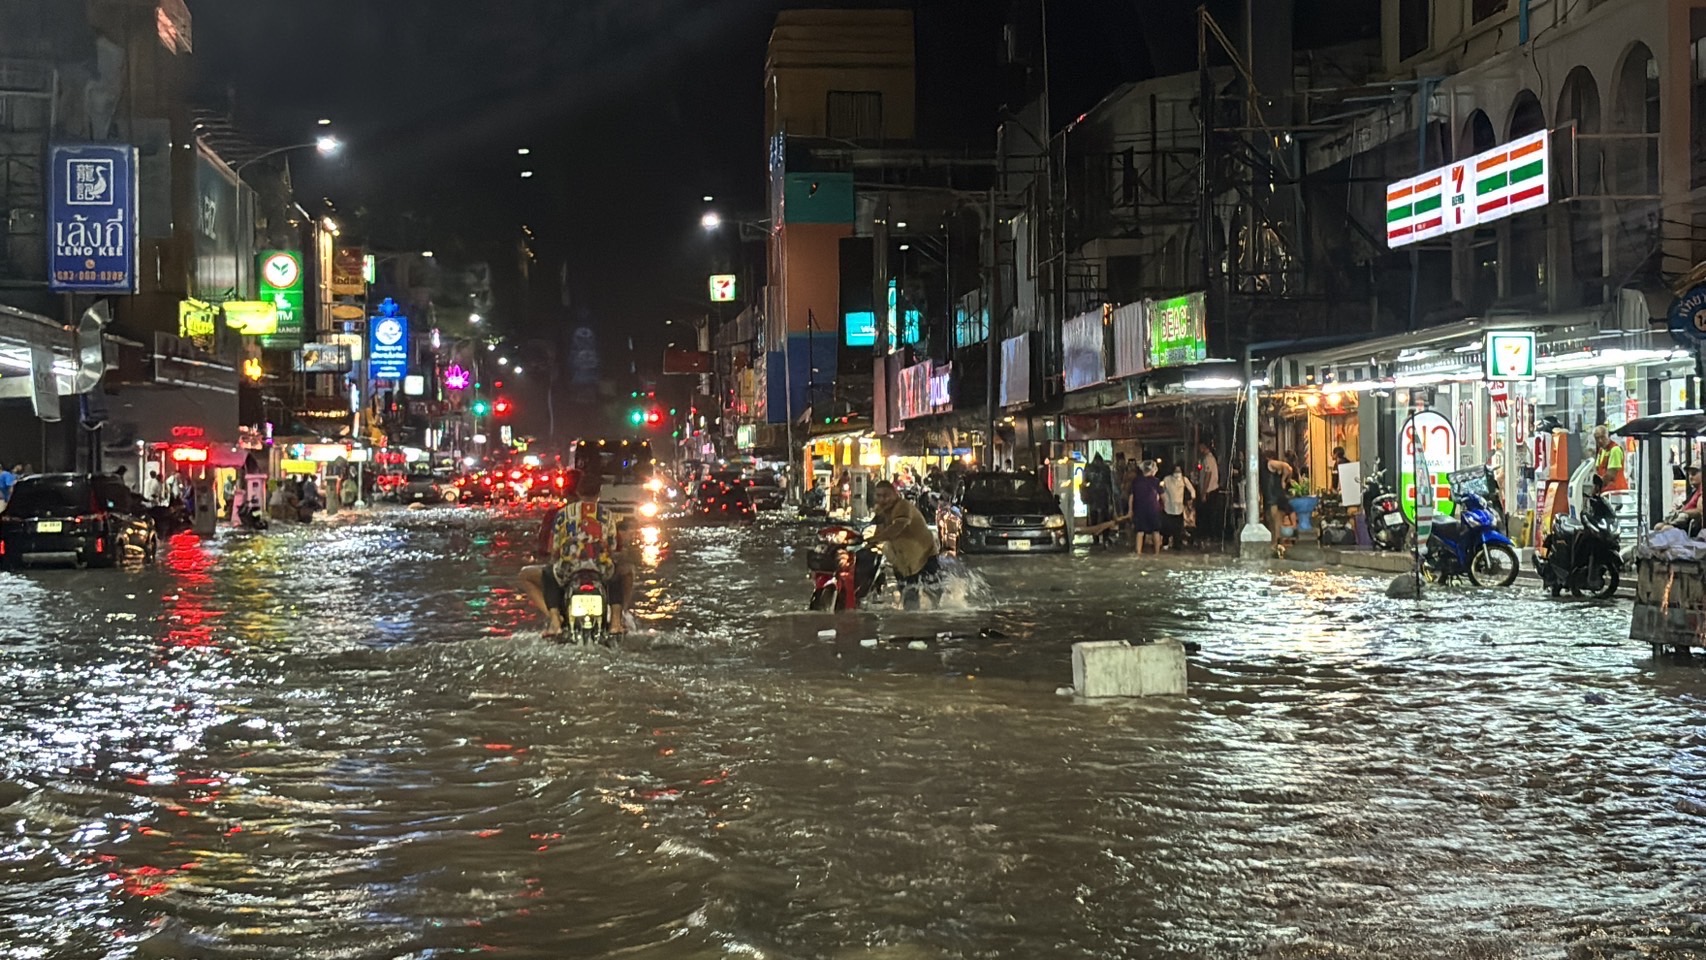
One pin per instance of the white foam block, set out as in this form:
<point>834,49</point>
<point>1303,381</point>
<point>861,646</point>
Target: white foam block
<point>1114,668</point>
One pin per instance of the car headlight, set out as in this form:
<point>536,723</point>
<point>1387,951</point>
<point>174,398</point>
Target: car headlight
<point>1055,522</point>
<point>975,521</point>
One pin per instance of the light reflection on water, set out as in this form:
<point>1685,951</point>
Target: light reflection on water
<point>345,741</point>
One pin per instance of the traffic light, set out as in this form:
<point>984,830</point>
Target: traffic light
<point>502,407</point>
<point>481,408</point>
<point>636,416</point>
<point>654,416</point>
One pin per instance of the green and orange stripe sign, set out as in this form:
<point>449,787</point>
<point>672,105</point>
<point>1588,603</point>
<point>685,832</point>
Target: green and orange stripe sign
<point>1489,186</point>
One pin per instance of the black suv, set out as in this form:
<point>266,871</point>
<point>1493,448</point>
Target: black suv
<point>75,518</point>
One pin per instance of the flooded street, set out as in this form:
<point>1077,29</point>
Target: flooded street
<point>348,741</point>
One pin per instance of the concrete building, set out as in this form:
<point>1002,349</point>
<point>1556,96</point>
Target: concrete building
<point>115,72</point>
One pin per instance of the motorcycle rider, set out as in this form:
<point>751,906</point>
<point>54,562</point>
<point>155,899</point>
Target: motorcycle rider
<point>907,543</point>
<point>581,534</point>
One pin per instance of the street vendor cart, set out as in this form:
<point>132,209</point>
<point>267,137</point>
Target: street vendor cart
<point>1670,565</point>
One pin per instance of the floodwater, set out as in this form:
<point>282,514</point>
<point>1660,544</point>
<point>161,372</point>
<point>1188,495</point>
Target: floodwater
<point>345,741</point>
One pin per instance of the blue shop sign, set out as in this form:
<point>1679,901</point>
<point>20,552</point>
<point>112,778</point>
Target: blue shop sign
<point>91,232</point>
<point>1688,317</point>
<point>388,344</point>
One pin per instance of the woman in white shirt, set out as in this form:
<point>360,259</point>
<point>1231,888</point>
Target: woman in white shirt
<point>1176,494</point>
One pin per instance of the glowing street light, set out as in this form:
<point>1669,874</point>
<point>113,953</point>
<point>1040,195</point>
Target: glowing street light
<point>325,121</point>
<point>523,151</point>
<point>710,220</point>
<point>475,318</point>
<point>518,368</point>
<point>708,198</point>
<point>328,145</point>
<point>526,173</point>
<point>503,361</point>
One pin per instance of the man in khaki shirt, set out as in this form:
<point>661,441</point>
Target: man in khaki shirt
<point>907,543</point>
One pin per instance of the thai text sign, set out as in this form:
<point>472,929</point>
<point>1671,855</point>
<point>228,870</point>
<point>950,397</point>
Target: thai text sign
<point>1486,187</point>
<point>281,282</point>
<point>388,344</point>
<point>1178,331</point>
<point>92,219</point>
<point>1428,443</point>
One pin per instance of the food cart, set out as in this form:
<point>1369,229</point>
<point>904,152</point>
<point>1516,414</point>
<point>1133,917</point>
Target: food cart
<point>1670,581</point>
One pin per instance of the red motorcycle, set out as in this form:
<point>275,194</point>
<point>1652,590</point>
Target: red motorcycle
<point>844,569</point>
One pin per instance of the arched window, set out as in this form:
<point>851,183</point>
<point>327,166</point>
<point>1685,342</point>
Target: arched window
<point>1477,135</point>
<point>1637,112</point>
<point>1581,172</point>
<point>1527,116</point>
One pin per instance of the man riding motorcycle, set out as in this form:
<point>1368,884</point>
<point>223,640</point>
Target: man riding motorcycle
<point>582,532</point>
<point>907,543</point>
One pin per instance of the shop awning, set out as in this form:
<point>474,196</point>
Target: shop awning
<point>1380,358</point>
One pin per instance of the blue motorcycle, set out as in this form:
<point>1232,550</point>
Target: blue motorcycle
<point>1470,544</point>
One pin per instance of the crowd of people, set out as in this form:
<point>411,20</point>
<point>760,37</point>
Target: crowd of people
<point>1163,506</point>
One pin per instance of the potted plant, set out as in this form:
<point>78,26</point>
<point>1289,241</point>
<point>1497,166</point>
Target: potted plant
<point>1303,503</point>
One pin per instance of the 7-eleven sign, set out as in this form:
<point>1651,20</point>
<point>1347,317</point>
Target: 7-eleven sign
<point>723,288</point>
<point>1486,187</point>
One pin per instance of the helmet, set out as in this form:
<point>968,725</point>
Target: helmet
<point>1473,502</point>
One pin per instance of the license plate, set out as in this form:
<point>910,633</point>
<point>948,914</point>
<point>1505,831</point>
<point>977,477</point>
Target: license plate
<point>49,526</point>
<point>585,605</point>
<point>1018,544</point>
<point>1393,519</point>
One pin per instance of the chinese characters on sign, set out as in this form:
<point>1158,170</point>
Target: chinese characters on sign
<point>92,219</point>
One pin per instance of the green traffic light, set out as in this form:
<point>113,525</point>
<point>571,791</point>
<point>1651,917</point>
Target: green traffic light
<point>481,408</point>
<point>637,417</point>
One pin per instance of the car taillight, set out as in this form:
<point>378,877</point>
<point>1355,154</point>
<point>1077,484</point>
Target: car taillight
<point>100,544</point>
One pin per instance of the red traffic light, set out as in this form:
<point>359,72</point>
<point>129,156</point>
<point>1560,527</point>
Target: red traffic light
<point>654,416</point>
<point>502,407</point>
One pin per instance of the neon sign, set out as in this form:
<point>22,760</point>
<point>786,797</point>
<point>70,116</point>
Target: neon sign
<point>189,455</point>
<point>456,378</point>
<point>188,433</point>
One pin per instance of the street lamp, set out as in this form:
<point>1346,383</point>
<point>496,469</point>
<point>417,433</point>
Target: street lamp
<point>710,220</point>
<point>474,318</point>
<point>326,144</point>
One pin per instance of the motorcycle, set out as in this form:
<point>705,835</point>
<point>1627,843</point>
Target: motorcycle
<point>1470,544</point>
<point>844,570</point>
<point>1583,556</point>
<point>253,517</point>
<point>1387,527</point>
<point>585,609</point>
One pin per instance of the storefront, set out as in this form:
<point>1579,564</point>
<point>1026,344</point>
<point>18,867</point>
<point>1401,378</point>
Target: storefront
<point>1522,398</point>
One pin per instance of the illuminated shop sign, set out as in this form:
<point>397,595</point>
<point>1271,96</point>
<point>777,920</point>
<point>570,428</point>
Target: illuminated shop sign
<point>1486,187</point>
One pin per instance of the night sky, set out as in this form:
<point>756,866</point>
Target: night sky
<point>633,109</point>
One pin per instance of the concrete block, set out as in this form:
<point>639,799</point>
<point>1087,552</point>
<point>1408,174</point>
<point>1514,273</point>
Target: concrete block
<point>1114,668</point>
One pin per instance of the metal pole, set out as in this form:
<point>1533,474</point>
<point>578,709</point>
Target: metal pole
<point>1205,179</point>
<point>992,355</point>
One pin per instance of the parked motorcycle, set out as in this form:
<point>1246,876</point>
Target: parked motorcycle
<point>1470,544</point>
<point>1387,527</point>
<point>1583,556</point>
<point>844,569</point>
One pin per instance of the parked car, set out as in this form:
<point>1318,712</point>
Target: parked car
<point>1003,513</point>
<point>74,518</point>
